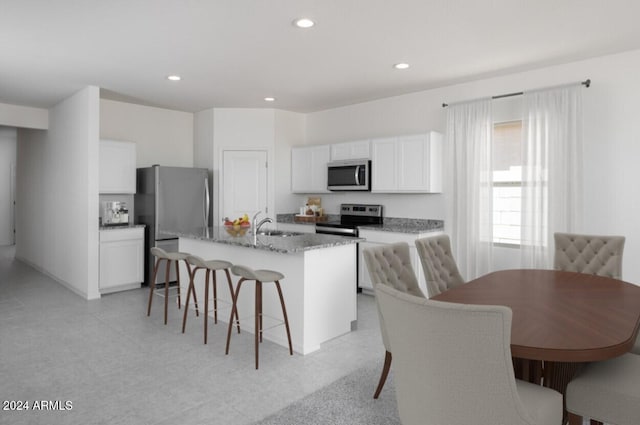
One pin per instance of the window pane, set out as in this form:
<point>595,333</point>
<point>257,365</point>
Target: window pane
<point>507,182</point>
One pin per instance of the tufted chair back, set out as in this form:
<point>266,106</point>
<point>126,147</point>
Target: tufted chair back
<point>599,255</point>
<point>440,269</point>
<point>390,265</point>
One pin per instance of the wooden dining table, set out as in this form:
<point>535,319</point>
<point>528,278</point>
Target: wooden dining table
<point>561,320</point>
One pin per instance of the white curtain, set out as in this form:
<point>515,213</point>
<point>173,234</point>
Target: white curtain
<point>469,130</point>
<point>551,172</point>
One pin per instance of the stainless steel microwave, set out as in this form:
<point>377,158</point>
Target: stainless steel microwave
<point>349,175</point>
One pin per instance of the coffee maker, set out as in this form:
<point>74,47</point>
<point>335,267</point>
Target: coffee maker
<point>115,214</point>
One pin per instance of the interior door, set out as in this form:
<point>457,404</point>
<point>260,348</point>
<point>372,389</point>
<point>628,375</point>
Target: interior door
<point>244,183</point>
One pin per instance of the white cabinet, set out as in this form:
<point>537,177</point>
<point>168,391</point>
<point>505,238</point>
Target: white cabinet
<point>121,259</point>
<point>377,238</point>
<point>351,150</point>
<point>407,164</point>
<point>117,167</point>
<point>309,169</point>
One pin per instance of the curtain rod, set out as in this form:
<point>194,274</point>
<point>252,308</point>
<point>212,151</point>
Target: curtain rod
<point>586,83</point>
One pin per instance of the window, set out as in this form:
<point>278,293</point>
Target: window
<point>507,182</point>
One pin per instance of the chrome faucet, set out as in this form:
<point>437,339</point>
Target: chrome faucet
<point>257,226</point>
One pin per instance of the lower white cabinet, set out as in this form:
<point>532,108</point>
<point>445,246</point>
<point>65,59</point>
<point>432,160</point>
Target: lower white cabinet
<point>377,238</point>
<point>121,259</point>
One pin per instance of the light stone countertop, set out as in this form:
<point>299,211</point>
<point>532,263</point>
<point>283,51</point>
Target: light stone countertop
<point>129,226</point>
<point>391,224</point>
<point>284,245</point>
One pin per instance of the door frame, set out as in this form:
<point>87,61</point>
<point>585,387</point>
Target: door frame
<point>270,179</point>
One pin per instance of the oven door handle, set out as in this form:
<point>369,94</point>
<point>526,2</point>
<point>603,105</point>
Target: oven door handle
<point>336,231</point>
<point>357,175</point>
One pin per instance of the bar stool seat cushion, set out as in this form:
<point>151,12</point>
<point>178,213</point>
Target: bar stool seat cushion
<point>261,275</point>
<point>208,264</point>
<point>607,391</point>
<point>172,256</point>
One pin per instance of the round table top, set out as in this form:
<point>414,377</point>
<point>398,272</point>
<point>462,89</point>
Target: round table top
<point>557,315</point>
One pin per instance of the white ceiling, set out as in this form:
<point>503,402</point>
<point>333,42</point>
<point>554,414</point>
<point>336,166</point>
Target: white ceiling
<point>233,53</point>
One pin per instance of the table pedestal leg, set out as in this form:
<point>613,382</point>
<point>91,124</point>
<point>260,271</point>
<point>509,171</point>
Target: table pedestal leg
<point>557,375</point>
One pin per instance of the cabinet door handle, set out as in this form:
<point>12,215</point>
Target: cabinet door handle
<point>206,202</point>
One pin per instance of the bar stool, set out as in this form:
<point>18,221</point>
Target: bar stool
<point>259,276</point>
<point>211,267</point>
<point>168,257</point>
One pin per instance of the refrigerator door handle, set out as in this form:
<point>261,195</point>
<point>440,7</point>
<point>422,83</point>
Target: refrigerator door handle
<point>206,202</point>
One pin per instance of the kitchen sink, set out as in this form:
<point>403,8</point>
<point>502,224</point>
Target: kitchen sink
<point>278,233</point>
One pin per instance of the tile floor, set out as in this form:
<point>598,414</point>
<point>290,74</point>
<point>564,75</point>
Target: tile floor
<point>118,366</point>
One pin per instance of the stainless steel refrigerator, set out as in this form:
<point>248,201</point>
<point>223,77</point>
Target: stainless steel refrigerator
<point>170,198</point>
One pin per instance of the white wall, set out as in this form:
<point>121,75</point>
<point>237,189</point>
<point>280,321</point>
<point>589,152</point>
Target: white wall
<point>272,130</point>
<point>289,131</point>
<point>203,149</point>
<point>162,136</point>
<point>8,137</point>
<point>611,140</point>
<point>57,194</point>
<point>23,116</point>
<point>242,129</point>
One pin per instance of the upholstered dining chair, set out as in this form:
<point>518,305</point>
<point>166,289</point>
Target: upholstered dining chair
<point>607,391</point>
<point>453,365</point>
<point>594,254</point>
<point>599,255</point>
<point>440,269</point>
<point>390,265</point>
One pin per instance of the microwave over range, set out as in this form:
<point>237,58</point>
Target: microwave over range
<point>352,174</point>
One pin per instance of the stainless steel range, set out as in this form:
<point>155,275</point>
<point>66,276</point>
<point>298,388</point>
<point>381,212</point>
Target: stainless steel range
<point>352,216</point>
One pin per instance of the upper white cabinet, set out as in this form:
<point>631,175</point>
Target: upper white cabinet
<point>309,169</point>
<point>351,150</point>
<point>117,167</point>
<point>407,164</point>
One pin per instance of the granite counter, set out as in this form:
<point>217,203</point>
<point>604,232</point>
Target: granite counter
<point>319,287</point>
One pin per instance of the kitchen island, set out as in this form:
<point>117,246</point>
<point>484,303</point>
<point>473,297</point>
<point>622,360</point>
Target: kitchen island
<point>319,286</point>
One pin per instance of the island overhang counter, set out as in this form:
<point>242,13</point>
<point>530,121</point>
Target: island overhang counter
<point>319,287</point>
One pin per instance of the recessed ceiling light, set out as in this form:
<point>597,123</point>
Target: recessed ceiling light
<point>269,99</point>
<point>174,78</point>
<point>401,65</point>
<point>303,23</point>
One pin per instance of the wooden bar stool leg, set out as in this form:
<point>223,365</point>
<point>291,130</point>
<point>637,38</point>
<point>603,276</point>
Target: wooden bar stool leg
<point>232,299</point>
<point>258,328</point>
<point>178,282</point>
<point>234,311</point>
<point>193,288</point>
<point>152,285</point>
<point>206,305</point>
<point>166,290</point>
<point>260,300</point>
<point>186,306</point>
<point>215,298</point>
<point>286,319</point>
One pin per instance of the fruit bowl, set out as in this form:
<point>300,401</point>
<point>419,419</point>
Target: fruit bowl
<point>237,229</point>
